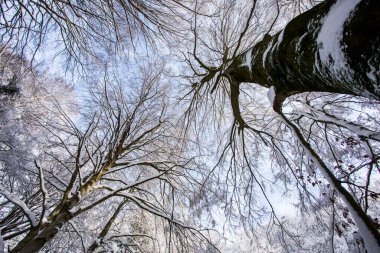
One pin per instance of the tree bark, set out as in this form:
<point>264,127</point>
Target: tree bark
<point>297,59</point>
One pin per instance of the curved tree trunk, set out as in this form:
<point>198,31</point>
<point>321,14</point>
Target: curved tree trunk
<point>333,47</point>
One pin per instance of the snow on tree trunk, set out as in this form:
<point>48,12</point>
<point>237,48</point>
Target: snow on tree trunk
<point>367,230</point>
<point>38,236</point>
<point>333,47</point>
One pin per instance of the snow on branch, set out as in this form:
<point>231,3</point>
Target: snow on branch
<point>359,130</point>
<point>271,95</point>
<point>45,194</point>
<point>369,234</point>
<point>17,201</point>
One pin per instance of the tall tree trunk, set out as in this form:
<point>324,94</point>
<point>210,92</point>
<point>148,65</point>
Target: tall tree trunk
<point>333,47</point>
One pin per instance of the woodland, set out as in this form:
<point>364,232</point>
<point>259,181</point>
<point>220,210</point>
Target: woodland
<point>197,126</point>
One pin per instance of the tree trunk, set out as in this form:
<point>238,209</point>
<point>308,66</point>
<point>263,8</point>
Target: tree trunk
<point>38,236</point>
<point>333,47</point>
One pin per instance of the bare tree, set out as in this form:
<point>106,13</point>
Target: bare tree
<point>219,73</point>
<point>316,144</point>
<point>88,30</point>
<point>120,153</point>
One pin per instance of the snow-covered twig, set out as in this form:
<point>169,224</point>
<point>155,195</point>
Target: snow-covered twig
<point>79,234</point>
<point>17,201</point>
<point>361,131</point>
<point>45,194</point>
<point>369,233</point>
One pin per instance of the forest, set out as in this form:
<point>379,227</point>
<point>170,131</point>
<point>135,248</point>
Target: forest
<point>190,126</point>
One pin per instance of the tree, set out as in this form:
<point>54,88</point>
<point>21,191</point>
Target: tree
<point>330,48</point>
<point>124,155</point>
<point>21,139</point>
<point>88,31</point>
<point>322,147</point>
<point>316,52</point>
<point>32,92</point>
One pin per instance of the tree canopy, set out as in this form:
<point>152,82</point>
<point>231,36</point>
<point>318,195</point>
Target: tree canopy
<point>188,126</point>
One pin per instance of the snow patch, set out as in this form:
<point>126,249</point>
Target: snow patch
<point>280,38</point>
<point>114,247</point>
<point>44,220</point>
<point>370,241</point>
<point>248,60</point>
<point>271,95</point>
<point>266,52</point>
<point>331,34</point>
<point>43,188</point>
<point>298,45</point>
<point>373,74</point>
